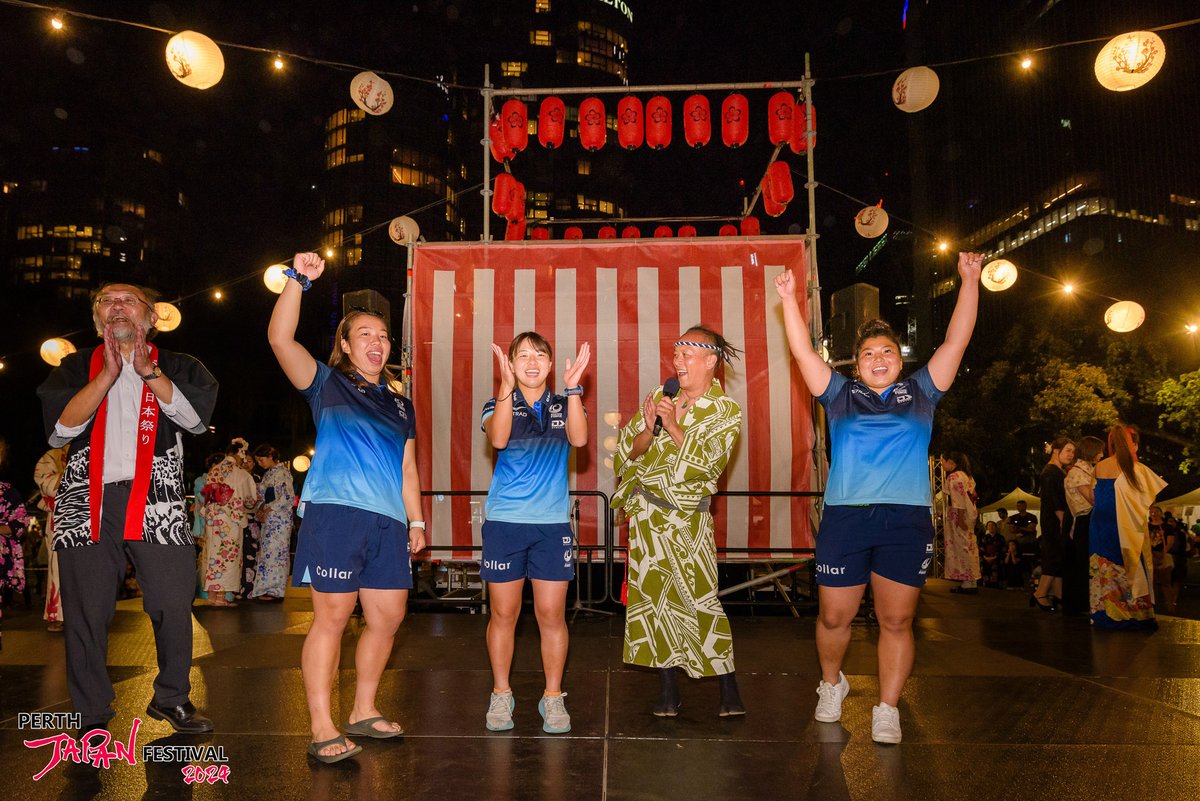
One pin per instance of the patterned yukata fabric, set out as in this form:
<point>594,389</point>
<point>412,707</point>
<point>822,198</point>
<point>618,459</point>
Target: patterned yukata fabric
<point>46,474</point>
<point>1121,586</point>
<point>962,549</point>
<point>275,535</point>
<point>12,557</point>
<point>228,493</point>
<point>674,618</point>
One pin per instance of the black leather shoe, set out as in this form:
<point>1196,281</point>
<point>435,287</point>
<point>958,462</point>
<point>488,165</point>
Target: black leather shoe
<point>183,718</point>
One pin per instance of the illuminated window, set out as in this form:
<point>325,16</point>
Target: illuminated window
<point>336,138</point>
<point>354,157</point>
<point>541,38</point>
<point>344,117</point>
<point>513,69</point>
<point>539,214</point>
<point>30,232</point>
<point>411,176</point>
<point>129,207</point>
<point>541,6</point>
<point>586,204</point>
<point>335,218</point>
<point>606,207</point>
<point>153,155</point>
<point>353,256</point>
<point>584,167</point>
<point>354,214</point>
<point>335,158</point>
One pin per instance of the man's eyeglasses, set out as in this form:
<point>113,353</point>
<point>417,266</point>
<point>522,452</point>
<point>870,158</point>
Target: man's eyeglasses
<point>106,301</point>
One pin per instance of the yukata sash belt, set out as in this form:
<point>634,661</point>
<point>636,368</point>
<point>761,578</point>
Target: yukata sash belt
<point>662,503</point>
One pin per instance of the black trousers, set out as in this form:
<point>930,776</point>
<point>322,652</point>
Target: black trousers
<point>91,577</point>
<point>1076,582</point>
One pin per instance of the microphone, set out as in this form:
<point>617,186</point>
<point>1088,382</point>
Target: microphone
<point>670,390</point>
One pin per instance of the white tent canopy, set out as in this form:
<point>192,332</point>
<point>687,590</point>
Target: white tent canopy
<point>1009,502</point>
<point>1186,506</point>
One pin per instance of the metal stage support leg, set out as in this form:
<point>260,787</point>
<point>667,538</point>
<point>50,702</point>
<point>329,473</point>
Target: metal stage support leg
<point>579,605</point>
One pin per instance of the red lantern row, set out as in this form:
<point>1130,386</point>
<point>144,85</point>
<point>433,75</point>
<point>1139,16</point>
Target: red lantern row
<point>749,226</point>
<point>651,125</point>
<point>508,198</point>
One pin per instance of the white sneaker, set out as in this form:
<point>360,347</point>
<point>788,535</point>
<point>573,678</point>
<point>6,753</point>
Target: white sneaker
<point>554,714</point>
<point>500,709</point>
<point>829,705</point>
<point>885,723</point>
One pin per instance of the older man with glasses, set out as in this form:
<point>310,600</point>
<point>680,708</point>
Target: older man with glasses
<point>124,406</point>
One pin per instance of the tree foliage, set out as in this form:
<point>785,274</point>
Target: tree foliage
<point>1179,399</point>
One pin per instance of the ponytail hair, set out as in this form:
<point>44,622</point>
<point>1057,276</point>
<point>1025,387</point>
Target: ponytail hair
<point>1122,443</point>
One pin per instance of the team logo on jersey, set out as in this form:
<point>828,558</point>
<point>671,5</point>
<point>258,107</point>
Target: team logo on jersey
<point>555,408</point>
<point>925,565</point>
<point>558,423</point>
<point>901,393</point>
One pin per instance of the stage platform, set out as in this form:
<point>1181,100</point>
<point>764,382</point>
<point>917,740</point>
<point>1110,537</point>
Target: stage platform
<point>1005,702</point>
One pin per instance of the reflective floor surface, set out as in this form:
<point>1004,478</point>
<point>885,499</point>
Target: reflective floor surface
<point>1004,702</point>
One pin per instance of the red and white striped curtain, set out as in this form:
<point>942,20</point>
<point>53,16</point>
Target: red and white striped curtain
<point>630,300</point>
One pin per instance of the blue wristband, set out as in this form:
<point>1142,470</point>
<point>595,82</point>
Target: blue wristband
<point>302,280</point>
<point>571,391</point>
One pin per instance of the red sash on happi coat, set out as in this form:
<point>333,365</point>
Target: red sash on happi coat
<point>147,429</point>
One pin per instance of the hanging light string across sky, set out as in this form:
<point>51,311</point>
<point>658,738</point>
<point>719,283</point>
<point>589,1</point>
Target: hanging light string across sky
<point>59,12</point>
<point>257,272</point>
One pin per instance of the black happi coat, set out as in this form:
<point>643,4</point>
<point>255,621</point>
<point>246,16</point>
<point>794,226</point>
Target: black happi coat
<point>165,521</point>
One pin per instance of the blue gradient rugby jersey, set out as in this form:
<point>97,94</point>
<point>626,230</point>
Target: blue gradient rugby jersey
<point>361,437</point>
<point>529,484</point>
<point>880,444</point>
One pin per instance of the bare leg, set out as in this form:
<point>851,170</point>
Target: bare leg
<point>838,606</point>
<point>504,599</point>
<point>383,611</point>
<point>319,661</point>
<point>895,606</point>
<point>550,606</point>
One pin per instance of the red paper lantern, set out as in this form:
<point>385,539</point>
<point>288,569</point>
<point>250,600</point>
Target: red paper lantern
<point>735,120</point>
<point>663,231</point>
<point>607,232</point>
<point>697,127</point>
<point>687,230</point>
<point>541,232</point>
<point>574,232</point>
<point>631,123</point>
<point>593,127</point>
<point>658,122</point>
<point>781,112</point>
<point>514,119</point>
<point>501,152</point>
<point>631,232</point>
<point>728,230</point>
<point>750,226</point>
<point>770,205</point>
<point>502,193</point>
<point>799,141</point>
<point>515,230</point>
<point>551,122</point>
<point>516,208</point>
<point>779,183</point>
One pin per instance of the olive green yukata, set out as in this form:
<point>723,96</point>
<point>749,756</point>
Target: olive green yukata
<point>674,618</point>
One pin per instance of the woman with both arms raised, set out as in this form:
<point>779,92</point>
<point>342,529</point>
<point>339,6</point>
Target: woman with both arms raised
<point>876,524</point>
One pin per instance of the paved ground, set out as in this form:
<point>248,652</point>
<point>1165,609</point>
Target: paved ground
<point>1005,702</point>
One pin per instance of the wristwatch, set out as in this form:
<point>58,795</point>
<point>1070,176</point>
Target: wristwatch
<point>153,374</point>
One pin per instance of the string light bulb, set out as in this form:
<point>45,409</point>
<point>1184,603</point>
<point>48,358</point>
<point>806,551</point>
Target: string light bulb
<point>56,22</point>
<point>329,253</point>
<point>1068,288</point>
<point>1191,328</point>
<point>218,295</point>
<point>278,62</point>
<point>1026,63</point>
<point>943,246</point>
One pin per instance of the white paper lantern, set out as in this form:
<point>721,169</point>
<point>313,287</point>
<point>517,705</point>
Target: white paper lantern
<point>274,278</point>
<point>612,418</point>
<point>195,60</point>
<point>301,463</point>
<point>1130,60</point>
<point>169,316</point>
<point>871,221</point>
<point>1124,316</point>
<point>371,93</point>
<point>55,350</point>
<point>915,89</point>
<point>610,444</point>
<point>404,230</point>
<point>998,275</point>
